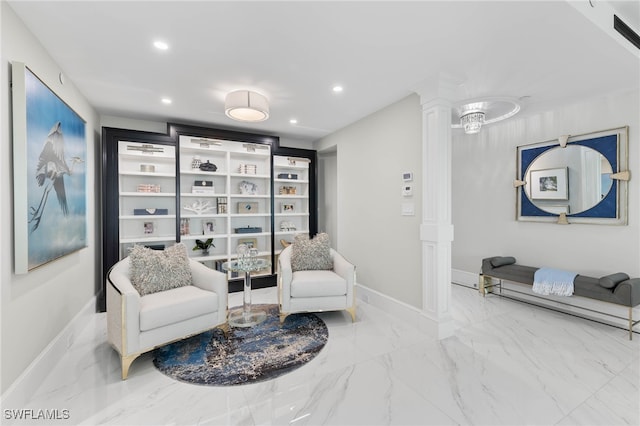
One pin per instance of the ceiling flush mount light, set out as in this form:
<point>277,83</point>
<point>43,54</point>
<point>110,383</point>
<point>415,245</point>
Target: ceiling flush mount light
<point>472,122</point>
<point>337,89</point>
<point>160,45</point>
<point>166,101</point>
<point>245,105</point>
<point>473,114</point>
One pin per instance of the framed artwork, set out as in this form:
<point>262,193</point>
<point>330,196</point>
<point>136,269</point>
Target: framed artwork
<point>287,208</point>
<point>148,228</point>
<point>550,184</point>
<point>208,228</point>
<point>49,154</point>
<point>249,242</point>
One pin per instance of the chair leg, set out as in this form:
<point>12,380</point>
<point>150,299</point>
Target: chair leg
<point>352,312</point>
<point>225,329</point>
<point>126,362</point>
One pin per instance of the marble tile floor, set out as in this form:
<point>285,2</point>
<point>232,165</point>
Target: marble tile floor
<point>507,364</point>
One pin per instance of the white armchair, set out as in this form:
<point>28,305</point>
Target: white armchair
<point>138,324</point>
<point>316,290</point>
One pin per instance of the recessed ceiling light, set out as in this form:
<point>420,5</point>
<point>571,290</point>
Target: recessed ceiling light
<point>293,121</point>
<point>166,101</point>
<point>337,89</point>
<point>160,45</point>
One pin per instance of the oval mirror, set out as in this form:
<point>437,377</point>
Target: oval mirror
<point>568,180</point>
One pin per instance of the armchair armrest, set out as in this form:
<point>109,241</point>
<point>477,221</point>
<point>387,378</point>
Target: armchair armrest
<point>123,302</point>
<point>342,267</point>
<point>211,280</point>
<point>285,273</point>
<point>629,292</point>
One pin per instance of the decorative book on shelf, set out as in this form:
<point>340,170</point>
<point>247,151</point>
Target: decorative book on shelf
<point>248,169</point>
<point>148,187</point>
<point>248,230</point>
<point>221,204</point>
<point>288,190</point>
<point>150,212</point>
<point>291,176</point>
<point>203,187</point>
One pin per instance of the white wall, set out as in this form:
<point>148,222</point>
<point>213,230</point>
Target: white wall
<point>327,190</point>
<point>484,200</point>
<point>37,306</point>
<point>372,154</point>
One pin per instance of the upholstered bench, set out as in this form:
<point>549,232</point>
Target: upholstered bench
<point>616,288</point>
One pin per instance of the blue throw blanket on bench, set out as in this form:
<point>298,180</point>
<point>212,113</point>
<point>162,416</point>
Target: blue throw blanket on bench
<point>556,282</point>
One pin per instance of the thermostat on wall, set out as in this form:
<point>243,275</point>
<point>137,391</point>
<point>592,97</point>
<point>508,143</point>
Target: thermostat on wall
<point>407,176</point>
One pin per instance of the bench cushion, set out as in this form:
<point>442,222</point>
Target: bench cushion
<point>626,293</point>
<point>502,261</point>
<point>610,281</point>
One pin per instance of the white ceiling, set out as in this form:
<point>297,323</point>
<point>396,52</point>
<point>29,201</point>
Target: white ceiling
<point>295,52</point>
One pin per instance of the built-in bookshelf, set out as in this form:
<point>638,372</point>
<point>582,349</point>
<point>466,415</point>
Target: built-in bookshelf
<point>291,198</point>
<point>196,184</point>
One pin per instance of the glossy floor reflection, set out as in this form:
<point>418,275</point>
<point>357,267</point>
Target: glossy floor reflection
<point>507,364</point>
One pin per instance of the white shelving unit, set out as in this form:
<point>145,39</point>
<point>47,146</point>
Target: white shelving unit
<point>173,199</point>
<point>163,195</point>
<point>291,198</point>
<point>241,197</point>
<point>146,183</point>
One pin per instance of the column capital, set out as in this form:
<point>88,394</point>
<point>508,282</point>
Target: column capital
<point>438,89</point>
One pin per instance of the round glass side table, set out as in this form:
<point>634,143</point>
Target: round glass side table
<point>245,317</point>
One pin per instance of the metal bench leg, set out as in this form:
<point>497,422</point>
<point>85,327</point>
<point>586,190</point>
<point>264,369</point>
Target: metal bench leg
<point>630,323</point>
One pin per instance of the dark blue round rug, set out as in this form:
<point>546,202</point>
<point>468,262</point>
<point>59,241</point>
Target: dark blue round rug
<point>249,355</point>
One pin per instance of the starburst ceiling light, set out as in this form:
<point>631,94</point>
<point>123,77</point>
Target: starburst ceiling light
<point>245,105</point>
<point>473,114</point>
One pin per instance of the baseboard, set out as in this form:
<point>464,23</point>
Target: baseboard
<point>404,312</point>
<point>20,391</point>
<point>467,279</point>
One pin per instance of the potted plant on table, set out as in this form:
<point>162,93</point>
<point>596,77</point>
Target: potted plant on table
<point>204,246</point>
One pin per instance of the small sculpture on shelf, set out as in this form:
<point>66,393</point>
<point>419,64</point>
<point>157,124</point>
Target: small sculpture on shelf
<point>248,188</point>
<point>287,226</point>
<point>208,167</point>
<point>199,207</point>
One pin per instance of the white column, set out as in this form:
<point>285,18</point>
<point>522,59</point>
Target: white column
<point>436,230</point>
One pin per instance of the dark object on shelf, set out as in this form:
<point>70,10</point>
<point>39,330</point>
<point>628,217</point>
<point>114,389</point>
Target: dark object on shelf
<point>208,167</point>
<point>203,183</point>
<point>150,212</point>
<point>155,246</point>
<point>292,176</point>
<point>248,230</point>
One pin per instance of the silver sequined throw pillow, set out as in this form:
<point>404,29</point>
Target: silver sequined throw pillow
<point>153,271</point>
<point>314,254</point>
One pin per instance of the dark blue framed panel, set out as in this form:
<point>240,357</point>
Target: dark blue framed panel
<point>610,207</point>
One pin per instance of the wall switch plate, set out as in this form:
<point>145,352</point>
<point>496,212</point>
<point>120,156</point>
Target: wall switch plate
<point>408,209</point>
